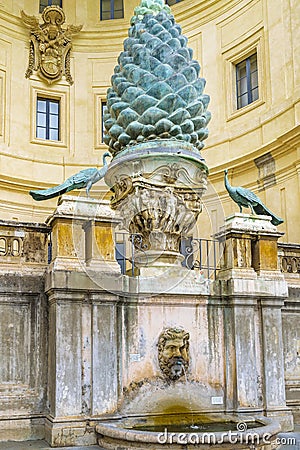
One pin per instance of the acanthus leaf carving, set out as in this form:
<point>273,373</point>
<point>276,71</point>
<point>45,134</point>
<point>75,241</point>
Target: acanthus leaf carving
<point>161,216</point>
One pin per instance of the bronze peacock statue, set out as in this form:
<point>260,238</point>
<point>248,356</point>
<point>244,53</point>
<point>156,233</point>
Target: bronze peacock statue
<point>245,197</point>
<point>83,179</point>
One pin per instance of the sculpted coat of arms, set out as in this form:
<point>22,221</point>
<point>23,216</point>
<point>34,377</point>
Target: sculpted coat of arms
<point>50,45</point>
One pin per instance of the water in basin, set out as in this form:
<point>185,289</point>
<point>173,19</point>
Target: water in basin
<point>197,426</point>
<point>187,423</point>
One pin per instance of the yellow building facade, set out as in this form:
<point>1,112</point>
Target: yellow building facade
<point>259,143</point>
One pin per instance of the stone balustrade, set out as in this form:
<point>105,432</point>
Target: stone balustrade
<point>289,258</point>
<point>26,242</point>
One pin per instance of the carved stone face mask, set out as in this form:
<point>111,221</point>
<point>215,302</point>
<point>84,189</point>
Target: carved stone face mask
<point>173,353</point>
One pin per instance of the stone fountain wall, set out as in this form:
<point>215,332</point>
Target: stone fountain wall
<point>111,324</point>
<point>104,327</point>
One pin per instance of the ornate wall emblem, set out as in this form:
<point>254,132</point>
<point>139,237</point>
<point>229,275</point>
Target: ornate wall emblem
<point>50,45</point>
<point>173,353</point>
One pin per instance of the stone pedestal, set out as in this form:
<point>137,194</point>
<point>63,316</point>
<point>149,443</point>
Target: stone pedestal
<point>253,290</point>
<point>250,245</point>
<point>249,256</point>
<point>82,235</point>
<point>82,320</point>
<point>157,189</point>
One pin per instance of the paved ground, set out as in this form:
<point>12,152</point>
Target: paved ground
<point>290,441</point>
<point>40,445</point>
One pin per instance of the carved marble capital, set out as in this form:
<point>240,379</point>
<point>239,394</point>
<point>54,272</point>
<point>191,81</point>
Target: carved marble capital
<point>160,215</point>
<point>158,196</point>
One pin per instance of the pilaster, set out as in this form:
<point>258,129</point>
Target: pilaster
<point>243,357</point>
<point>253,290</point>
<point>83,273</point>
<point>249,257</point>
<point>273,362</point>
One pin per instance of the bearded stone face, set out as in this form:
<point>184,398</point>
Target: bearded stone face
<point>173,353</point>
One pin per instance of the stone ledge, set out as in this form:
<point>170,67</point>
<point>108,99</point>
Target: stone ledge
<point>252,287</point>
<point>183,282</point>
<point>248,223</point>
<point>83,209</point>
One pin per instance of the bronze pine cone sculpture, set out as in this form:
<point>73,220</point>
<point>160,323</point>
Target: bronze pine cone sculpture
<point>156,91</point>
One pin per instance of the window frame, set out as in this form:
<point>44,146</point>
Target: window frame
<point>249,77</point>
<point>99,103</point>
<point>48,101</point>
<point>64,98</point>
<point>41,8</point>
<point>112,11</point>
<point>175,2</point>
<point>231,57</point>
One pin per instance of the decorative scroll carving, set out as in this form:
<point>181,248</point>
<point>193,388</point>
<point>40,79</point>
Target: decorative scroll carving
<point>121,189</point>
<point>50,45</point>
<point>172,173</point>
<point>173,353</point>
<point>169,173</point>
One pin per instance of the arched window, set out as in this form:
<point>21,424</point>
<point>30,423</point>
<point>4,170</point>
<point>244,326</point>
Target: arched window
<point>44,3</point>
<point>111,9</point>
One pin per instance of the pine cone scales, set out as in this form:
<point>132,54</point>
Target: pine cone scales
<point>156,92</point>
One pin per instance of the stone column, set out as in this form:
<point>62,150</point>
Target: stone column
<point>253,290</point>
<point>272,348</point>
<point>82,319</point>
<point>157,190</point>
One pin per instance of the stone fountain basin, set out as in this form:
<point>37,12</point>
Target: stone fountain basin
<point>179,432</point>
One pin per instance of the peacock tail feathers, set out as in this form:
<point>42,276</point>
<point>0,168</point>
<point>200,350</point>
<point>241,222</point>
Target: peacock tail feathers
<point>261,209</point>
